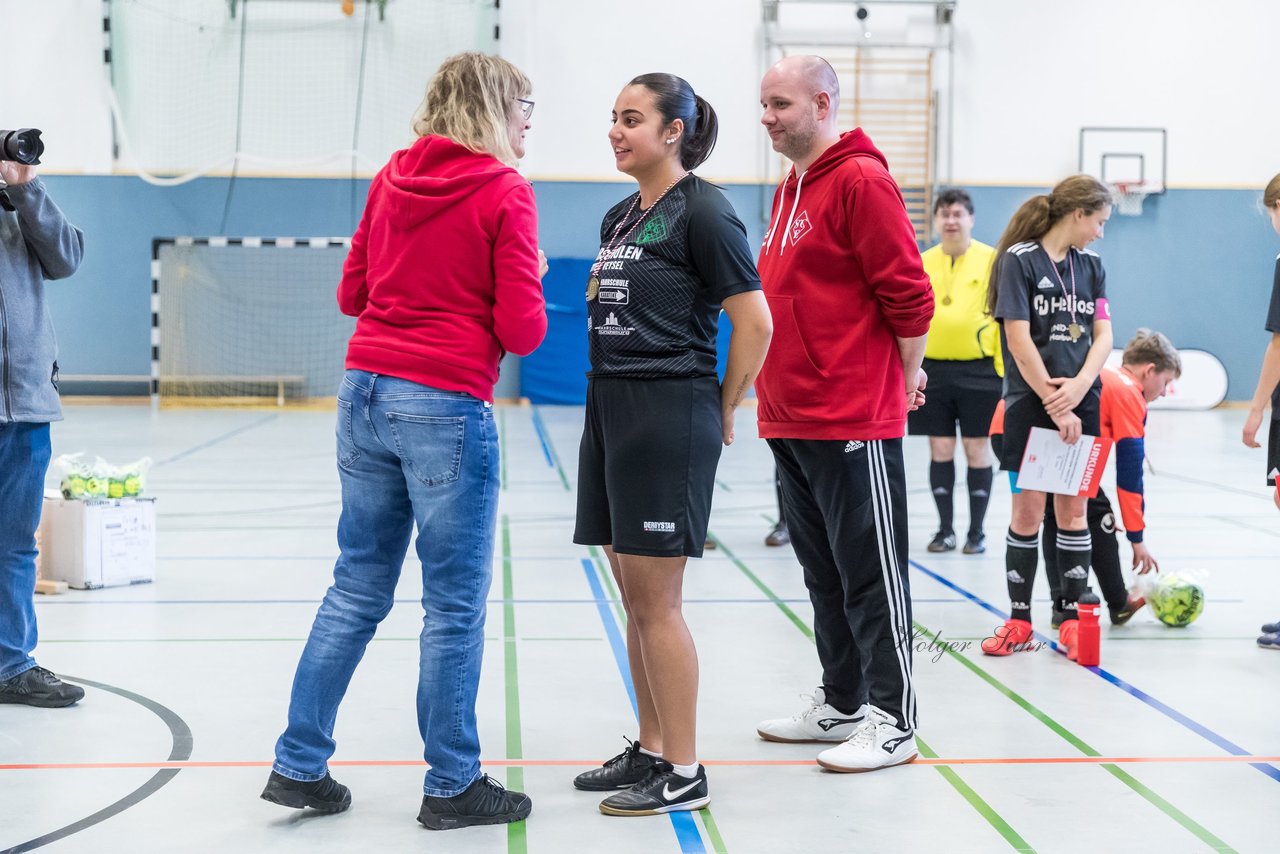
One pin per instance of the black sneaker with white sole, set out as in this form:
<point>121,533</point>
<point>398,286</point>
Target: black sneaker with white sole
<point>325,795</point>
<point>485,801</point>
<point>621,772</point>
<point>661,791</point>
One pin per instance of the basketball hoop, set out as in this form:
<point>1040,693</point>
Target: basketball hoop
<point>1129,197</point>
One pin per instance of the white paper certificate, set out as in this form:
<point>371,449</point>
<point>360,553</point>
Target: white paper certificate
<point>1051,465</point>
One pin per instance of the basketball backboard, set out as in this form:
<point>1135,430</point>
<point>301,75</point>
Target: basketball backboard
<point>1134,157</point>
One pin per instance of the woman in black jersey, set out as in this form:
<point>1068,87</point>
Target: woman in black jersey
<point>1268,391</point>
<point>671,256</point>
<point>1048,292</point>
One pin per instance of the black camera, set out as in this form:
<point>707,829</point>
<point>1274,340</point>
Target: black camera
<point>22,145</point>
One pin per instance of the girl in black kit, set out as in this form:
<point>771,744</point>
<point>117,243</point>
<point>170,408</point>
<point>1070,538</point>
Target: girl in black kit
<point>1268,390</point>
<point>1048,292</point>
<point>671,256</point>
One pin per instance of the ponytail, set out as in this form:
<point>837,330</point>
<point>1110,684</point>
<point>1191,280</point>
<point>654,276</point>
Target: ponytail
<point>1039,213</point>
<point>675,99</point>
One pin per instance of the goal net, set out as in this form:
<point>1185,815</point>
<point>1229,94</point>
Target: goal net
<point>247,320</point>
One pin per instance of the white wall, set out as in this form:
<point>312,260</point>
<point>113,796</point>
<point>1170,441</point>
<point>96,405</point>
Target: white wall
<point>1029,74</point>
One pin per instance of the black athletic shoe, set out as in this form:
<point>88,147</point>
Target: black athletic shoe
<point>975,543</point>
<point>1058,618</point>
<point>661,791</point>
<point>1271,628</point>
<point>39,687</point>
<point>621,772</point>
<point>484,802</point>
<point>943,541</point>
<point>325,794</point>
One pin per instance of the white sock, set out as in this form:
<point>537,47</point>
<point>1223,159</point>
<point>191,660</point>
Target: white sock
<point>687,771</point>
<point>647,752</point>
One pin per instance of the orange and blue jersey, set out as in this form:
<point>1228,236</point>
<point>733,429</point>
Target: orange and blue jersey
<point>1123,416</point>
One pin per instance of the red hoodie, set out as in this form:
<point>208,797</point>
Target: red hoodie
<point>843,277</point>
<point>443,270</point>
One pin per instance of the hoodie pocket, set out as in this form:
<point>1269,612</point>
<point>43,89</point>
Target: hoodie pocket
<point>795,377</point>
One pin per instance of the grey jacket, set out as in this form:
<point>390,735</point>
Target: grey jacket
<point>36,243</point>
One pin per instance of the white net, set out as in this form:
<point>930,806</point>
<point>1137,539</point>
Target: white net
<point>1129,198</point>
<point>278,85</point>
<point>249,322</point>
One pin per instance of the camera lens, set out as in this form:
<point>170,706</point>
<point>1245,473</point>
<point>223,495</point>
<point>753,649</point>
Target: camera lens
<point>22,145</point>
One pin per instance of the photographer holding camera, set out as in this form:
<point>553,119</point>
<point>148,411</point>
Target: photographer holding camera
<point>36,243</point>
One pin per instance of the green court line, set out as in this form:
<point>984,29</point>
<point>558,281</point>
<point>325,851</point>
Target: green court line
<point>502,445</point>
<point>517,840</point>
<point>974,799</point>
<point>726,487</point>
<point>1187,823</point>
<point>606,573</point>
<point>541,427</point>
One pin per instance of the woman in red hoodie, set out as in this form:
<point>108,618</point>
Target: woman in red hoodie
<point>443,277</point>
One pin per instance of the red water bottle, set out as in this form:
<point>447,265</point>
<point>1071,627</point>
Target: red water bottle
<point>1088,637</point>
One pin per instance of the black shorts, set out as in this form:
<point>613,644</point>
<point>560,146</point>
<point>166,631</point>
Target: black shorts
<point>966,392</point>
<point>1273,452</point>
<point>647,464</point>
<point>1026,411</point>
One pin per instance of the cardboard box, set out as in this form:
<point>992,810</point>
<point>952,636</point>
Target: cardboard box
<point>101,542</point>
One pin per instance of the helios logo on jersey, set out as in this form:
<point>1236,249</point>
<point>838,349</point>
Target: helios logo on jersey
<point>800,227</point>
<point>1049,305</point>
<point>660,527</point>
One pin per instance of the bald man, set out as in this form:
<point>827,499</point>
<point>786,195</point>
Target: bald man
<point>851,305</point>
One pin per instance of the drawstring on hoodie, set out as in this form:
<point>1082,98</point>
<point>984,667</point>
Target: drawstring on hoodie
<point>791,216</point>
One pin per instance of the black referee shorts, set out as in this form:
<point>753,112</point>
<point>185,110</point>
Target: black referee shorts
<point>959,391</point>
<point>647,464</point>
<point>1027,411</point>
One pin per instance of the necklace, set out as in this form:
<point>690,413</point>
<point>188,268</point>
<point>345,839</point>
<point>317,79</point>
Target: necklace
<point>593,283</point>
<point>1075,330</point>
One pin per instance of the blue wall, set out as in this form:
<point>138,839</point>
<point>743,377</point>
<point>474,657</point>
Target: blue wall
<point>1196,265</point>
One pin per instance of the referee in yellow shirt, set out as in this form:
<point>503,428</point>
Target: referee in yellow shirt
<point>962,359</point>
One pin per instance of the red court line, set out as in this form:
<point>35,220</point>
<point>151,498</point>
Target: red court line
<point>587,763</point>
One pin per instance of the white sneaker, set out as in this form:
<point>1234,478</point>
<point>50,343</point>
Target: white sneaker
<point>818,722</point>
<point>877,743</point>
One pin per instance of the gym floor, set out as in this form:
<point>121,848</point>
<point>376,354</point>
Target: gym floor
<point>1171,745</point>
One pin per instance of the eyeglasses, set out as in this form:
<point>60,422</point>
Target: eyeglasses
<point>526,108</point>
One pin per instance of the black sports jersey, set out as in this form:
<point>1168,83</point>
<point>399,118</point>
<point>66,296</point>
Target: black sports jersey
<point>1273,326</point>
<point>657,309</point>
<point>1030,289</point>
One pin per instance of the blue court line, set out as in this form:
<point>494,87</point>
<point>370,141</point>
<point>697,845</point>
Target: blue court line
<point>216,439</point>
<point>542,437</point>
<point>1164,709</point>
<point>682,822</point>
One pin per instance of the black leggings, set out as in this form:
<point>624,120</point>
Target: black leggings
<point>1106,551</point>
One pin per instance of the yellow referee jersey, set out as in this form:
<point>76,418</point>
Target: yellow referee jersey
<point>961,328</point>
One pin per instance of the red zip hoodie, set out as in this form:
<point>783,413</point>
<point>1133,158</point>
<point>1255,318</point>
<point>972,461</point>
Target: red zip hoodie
<point>842,274</point>
<point>443,269</point>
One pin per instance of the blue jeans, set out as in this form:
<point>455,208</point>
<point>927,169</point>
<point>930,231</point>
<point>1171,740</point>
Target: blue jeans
<point>24,459</point>
<point>407,454</point>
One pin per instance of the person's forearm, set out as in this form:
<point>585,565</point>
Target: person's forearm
<point>1027,358</point>
<point>911,351</point>
<point>1269,376</point>
<point>1097,356</point>
<point>748,344</point>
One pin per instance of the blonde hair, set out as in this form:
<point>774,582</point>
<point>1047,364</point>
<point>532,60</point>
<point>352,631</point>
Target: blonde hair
<point>1271,195</point>
<point>469,100</point>
<point>1153,348</point>
<point>1038,214</point>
